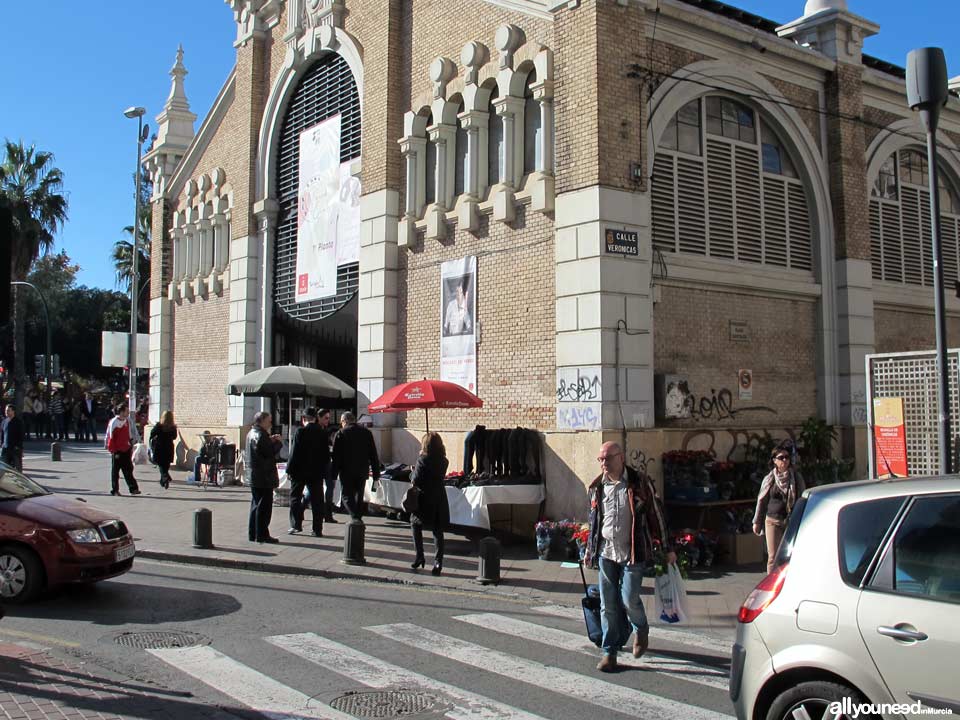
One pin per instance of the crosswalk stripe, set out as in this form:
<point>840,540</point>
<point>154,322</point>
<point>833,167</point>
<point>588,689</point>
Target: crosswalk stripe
<point>675,667</point>
<point>376,673</point>
<point>591,690</point>
<point>675,636</point>
<point>246,685</point>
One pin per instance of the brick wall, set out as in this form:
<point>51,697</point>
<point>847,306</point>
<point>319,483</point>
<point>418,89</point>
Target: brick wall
<point>848,171</point>
<point>692,338</point>
<point>806,102</point>
<point>905,330</point>
<point>874,122</point>
<point>515,314</point>
<point>200,362</point>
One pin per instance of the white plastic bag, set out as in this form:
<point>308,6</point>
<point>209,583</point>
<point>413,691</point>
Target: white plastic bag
<point>670,597</point>
<point>141,455</point>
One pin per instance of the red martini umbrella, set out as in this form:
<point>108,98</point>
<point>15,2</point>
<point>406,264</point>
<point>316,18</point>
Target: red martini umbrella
<point>424,394</point>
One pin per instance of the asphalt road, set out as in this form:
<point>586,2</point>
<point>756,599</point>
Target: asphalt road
<point>298,647</point>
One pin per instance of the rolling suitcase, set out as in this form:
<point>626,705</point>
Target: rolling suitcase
<point>591,609</point>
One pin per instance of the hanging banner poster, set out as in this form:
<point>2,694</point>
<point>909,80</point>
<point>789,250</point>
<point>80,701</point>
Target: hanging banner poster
<point>318,199</point>
<point>889,437</point>
<point>348,217</point>
<point>458,330</point>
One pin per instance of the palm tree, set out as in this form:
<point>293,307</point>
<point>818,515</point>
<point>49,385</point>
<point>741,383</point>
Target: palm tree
<point>33,190</point>
<point>123,250</point>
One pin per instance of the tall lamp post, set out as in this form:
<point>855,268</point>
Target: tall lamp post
<point>927,92</point>
<point>138,113</point>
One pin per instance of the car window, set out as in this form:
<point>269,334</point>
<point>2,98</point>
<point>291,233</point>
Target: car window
<point>926,550</point>
<point>861,528</point>
<point>15,486</point>
<point>790,534</point>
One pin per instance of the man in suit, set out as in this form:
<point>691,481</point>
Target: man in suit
<point>354,460</point>
<point>307,468</point>
<point>88,417</point>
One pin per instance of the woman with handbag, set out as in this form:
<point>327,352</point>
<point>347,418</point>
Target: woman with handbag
<point>163,435</point>
<point>779,492</point>
<point>431,511</point>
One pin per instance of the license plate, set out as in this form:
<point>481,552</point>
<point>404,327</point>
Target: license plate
<point>126,552</point>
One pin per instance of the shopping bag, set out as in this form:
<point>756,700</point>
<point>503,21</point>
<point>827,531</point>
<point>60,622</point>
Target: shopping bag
<point>670,596</point>
<point>141,456</point>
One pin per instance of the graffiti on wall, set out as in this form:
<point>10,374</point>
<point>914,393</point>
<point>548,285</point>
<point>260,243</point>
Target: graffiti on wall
<point>578,384</point>
<point>680,402</point>
<point>579,416</point>
<point>742,443</point>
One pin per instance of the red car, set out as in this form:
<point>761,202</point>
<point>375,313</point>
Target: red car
<point>47,540</point>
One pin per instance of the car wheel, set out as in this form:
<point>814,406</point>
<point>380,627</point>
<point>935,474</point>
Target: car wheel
<point>811,701</point>
<point>21,574</point>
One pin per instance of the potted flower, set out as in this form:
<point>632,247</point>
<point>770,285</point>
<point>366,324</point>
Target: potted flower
<point>544,533</point>
<point>580,536</point>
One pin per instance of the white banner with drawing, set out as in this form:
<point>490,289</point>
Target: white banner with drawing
<point>328,212</point>
<point>458,327</point>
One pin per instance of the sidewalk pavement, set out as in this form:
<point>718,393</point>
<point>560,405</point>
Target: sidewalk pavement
<point>37,685</point>
<point>162,524</point>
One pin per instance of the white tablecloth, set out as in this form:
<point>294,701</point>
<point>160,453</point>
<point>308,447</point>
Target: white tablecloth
<point>468,506</point>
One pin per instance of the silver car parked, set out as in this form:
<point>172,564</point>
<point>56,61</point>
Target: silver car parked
<point>862,607</point>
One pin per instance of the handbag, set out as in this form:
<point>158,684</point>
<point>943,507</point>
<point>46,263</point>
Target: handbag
<point>411,500</point>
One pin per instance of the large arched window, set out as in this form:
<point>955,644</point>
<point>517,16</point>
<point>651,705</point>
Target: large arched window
<point>901,238</point>
<point>724,185</point>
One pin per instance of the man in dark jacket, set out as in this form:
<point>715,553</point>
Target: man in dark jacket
<point>11,439</point>
<point>307,468</point>
<point>354,460</point>
<point>260,467</point>
<point>88,417</point>
<point>625,520</point>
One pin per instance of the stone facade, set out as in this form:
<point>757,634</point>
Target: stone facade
<point>553,305</point>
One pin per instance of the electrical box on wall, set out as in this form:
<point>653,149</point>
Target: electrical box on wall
<point>671,393</point>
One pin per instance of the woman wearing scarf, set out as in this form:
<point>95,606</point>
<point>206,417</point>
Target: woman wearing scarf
<point>778,494</point>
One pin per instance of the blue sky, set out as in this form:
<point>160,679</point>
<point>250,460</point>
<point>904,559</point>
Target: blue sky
<point>67,93</point>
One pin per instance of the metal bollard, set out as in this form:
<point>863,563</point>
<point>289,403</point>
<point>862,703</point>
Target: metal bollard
<point>489,570</point>
<point>202,528</point>
<point>353,540</point>
<point>55,451</point>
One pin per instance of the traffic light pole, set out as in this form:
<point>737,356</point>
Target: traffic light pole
<point>48,358</point>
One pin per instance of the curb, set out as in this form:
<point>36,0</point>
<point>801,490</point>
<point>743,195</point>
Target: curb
<point>297,570</point>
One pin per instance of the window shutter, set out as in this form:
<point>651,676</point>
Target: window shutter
<point>720,189</point>
<point>691,206</point>
<point>801,237</point>
<point>923,210</point>
<point>892,238</point>
<point>749,217</point>
<point>948,236</point>
<point>912,238</point>
<point>663,204</point>
<point>876,241</point>
<point>775,221</point>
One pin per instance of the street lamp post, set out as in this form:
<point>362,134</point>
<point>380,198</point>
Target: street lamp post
<point>138,113</point>
<point>927,92</point>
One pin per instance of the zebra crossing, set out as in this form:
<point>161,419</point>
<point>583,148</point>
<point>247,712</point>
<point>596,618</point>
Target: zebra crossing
<point>699,664</point>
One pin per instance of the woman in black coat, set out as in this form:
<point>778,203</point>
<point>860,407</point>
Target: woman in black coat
<point>163,435</point>
<point>433,511</point>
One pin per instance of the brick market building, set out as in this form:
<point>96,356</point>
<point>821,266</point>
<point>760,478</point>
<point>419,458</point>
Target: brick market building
<point>662,197</point>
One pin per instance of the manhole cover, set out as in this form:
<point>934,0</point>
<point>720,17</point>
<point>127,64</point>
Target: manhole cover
<point>157,640</point>
<point>385,704</point>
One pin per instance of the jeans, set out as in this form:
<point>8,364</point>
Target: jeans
<point>122,462</point>
<point>773,530</point>
<point>261,511</point>
<point>621,607</point>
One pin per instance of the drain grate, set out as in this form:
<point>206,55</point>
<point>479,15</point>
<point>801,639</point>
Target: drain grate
<point>385,704</point>
<point>158,640</point>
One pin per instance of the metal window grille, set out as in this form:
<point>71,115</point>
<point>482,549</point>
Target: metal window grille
<point>913,377</point>
<point>327,89</point>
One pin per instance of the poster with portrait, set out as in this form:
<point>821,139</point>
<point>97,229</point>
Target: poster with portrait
<point>458,327</point>
<point>328,212</point>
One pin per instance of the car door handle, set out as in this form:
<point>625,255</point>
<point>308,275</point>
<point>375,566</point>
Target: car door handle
<point>899,633</point>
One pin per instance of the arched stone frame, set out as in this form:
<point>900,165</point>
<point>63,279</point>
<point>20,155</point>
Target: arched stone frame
<point>312,46</point>
<point>675,92</point>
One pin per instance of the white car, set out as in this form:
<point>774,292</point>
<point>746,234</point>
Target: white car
<point>862,607</point>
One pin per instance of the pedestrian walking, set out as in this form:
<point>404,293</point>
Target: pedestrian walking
<point>260,466</point>
<point>120,438</point>
<point>40,428</point>
<point>329,478</point>
<point>57,416</point>
<point>354,460</point>
<point>433,511</point>
<point>625,520</point>
<point>778,494</point>
<point>11,439</point>
<point>76,418</point>
<point>88,413</point>
<point>163,435</point>
<point>307,468</point>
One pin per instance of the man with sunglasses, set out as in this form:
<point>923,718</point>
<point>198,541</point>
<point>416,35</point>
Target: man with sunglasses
<point>625,520</point>
<point>778,494</point>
